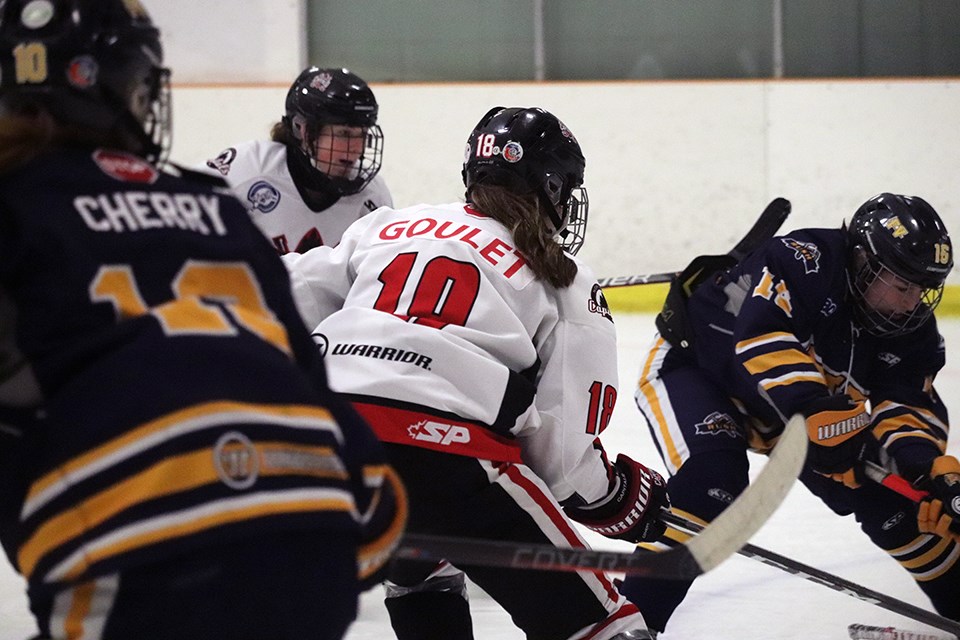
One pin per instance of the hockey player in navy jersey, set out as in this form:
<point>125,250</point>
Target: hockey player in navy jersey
<point>484,355</point>
<point>172,463</point>
<point>320,170</point>
<point>836,324</point>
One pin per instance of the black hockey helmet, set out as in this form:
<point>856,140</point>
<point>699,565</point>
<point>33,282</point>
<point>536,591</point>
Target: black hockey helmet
<point>320,97</point>
<point>905,236</point>
<point>529,150</point>
<point>96,64</point>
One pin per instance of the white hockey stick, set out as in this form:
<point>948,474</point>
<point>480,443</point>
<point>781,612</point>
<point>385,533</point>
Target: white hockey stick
<point>718,541</point>
<point>867,632</point>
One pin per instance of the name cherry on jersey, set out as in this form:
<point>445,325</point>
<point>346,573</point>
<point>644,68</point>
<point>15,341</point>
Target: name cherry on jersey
<point>122,211</point>
<point>492,249</point>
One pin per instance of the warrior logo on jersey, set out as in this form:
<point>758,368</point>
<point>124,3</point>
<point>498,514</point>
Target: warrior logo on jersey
<point>125,167</point>
<point>512,151</point>
<point>805,252</point>
<point>222,162</point>
<point>598,303</point>
<point>716,423</point>
<point>323,345</point>
<point>371,205</point>
<point>263,196</point>
<point>236,460</point>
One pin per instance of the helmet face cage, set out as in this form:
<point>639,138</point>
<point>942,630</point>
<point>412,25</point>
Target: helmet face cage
<point>333,115</point>
<point>531,151</point>
<point>158,120</point>
<point>899,250</point>
<point>92,63</point>
<point>888,323</point>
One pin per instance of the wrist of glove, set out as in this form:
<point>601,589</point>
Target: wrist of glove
<point>840,439</point>
<point>940,512</point>
<point>631,510</point>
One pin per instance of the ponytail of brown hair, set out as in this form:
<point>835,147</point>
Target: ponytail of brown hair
<point>520,213</point>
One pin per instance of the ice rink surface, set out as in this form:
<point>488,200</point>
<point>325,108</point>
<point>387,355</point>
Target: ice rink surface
<point>742,599</point>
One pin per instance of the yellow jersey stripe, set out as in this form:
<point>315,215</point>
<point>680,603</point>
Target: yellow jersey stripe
<point>210,515</point>
<point>785,357</point>
<point>192,419</point>
<point>767,338</point>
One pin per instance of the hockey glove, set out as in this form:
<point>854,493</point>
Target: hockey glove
<point>840,439</point>
<point>631,511</point>
<point>940,512</point>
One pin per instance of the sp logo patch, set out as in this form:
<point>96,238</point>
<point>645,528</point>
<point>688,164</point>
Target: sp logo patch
<point>717,423</point>
<point>598,303</point>
<point>439,433</point>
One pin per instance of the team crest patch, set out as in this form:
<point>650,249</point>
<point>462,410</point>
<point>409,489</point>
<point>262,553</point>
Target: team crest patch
<point>125,167</point>
<point>598,303</point>
<point>223,161</point>
<point>263,196</point>
<point>805,252</point>
<point>717,423</point>
<point>321,81</point>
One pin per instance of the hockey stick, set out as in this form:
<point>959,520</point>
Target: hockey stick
<point>881,476</point>
<point>725,535</point>
<point>764,228</point>
<point>827,579</point>
<point>867,632</point>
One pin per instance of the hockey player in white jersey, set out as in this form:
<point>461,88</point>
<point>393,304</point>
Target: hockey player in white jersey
<point>319,172</point>
<point>484,356</point>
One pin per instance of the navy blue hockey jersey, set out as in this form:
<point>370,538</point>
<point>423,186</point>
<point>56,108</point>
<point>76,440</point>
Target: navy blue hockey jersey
<point>777,332</point>
<point>179,399</point>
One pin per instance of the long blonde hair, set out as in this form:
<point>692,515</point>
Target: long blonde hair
<point>521,214</point>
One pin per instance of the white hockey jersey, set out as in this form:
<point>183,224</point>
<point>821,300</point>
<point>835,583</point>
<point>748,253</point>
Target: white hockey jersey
<point>433,305</point>
<point>257,172</point>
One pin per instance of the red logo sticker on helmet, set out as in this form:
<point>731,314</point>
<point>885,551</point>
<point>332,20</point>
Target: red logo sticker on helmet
<point>82,72</point>
<point>125,167</point>
<point>512,151</point>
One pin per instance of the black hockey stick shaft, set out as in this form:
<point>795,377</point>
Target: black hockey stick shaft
<point>727,533</point>
<point>766,226</point>
<point>834,582</point>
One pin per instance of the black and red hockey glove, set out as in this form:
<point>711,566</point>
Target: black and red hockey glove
<point>631,510</point>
